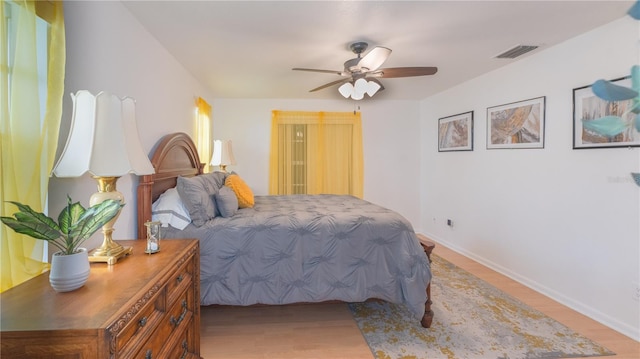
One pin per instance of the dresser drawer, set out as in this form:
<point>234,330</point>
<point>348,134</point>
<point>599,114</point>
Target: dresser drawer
<point>185,347</point>
<point>141,325</point>
<point>181,278</point>
<point>171,325</point>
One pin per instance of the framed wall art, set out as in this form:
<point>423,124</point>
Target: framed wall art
<point>516,125</point>
<point>598,123</point>
<point>455,133</point>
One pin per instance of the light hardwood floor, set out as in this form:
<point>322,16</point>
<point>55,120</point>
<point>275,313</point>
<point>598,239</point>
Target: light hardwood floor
<point>327,330</point>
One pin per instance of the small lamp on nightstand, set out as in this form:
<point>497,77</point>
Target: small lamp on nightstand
<point>222,154</point>
<point>103,140</point>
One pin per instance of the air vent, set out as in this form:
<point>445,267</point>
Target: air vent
<point>516,51</point>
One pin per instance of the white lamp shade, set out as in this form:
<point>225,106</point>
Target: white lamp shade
<point>222,153</point>
<point>346,89</point>
<point>103,138</point>
<point>372,88</point>
<point>357,95</point>
<point>359,89</point>
<point>360,86</point>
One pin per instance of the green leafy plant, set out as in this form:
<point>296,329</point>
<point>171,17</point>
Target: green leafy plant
<point>75,223</point>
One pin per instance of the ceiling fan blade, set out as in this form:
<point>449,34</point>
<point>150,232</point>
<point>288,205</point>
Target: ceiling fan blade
<point>340,73</point>
<point>341,81</point>
<point>374,58</point>
<point>405,72</point>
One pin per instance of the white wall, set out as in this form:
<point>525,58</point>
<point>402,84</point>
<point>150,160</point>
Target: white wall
<point>391,144</point>
<point>564,222</point>
<point>108,50</point>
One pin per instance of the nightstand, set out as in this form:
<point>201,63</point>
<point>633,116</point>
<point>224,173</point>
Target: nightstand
<point>146,305</point>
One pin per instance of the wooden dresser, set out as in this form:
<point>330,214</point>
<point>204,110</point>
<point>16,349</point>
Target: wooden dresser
<point>145,306</point>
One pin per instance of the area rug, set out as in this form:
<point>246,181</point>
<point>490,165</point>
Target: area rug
<point>473,320</point>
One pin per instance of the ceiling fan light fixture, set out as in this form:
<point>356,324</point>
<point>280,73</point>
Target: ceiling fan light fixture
<point>372,88</point>
<point>359,89</point>
<point>346,89</point>
<point>357,95</point>
<point>360,86</point>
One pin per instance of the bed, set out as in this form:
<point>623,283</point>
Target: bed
<point>287,249</point>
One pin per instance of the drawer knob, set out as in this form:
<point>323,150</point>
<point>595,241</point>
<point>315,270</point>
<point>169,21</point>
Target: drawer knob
<point>179,320</point>
<point>142,322</point>
<point>180,278</point>
<point>147,355</point>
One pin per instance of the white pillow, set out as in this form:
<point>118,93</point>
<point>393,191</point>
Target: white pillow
<point>170,210</point>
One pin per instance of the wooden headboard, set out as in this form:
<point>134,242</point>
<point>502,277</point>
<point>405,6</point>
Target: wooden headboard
<point>175,155</point>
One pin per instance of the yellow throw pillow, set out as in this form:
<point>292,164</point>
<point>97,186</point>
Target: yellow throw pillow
<point>242,191</point>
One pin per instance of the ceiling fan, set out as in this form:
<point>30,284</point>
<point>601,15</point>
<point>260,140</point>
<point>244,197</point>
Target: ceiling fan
<point>360,75</point>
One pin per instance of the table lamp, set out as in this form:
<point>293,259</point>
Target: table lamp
<point>103,140</point>
<point>222,154</point>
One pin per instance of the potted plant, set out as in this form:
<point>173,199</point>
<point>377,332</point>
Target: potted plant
<point>69,266</point>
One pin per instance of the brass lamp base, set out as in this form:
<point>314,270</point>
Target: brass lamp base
<point>109,251</point>
<point>111,256</point>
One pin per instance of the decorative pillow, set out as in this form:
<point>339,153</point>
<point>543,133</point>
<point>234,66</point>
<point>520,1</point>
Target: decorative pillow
<point>197,195</point>
<point>170,210</point>
<point>241,189</point>
<point>217,178</point>
<point>226,201</point>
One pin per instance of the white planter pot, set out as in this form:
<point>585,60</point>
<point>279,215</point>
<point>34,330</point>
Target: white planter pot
<point>69,272</point>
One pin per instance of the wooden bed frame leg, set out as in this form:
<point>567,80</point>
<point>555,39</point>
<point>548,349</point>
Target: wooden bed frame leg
<point>427,318</point>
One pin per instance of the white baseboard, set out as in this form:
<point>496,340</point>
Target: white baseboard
<point>578,306</point>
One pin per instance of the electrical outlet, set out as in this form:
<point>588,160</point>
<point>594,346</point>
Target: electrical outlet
<point>449,223</point>
<point>636,291</point>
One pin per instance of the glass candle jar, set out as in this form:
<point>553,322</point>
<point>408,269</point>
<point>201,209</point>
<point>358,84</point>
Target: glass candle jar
<point>153,237</point>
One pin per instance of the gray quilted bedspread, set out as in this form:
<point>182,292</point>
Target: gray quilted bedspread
<point>310,248</point>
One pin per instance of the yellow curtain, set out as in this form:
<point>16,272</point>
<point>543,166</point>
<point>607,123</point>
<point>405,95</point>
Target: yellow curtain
<point>203,132</point>
<point>321,151</point>
<point>28,141</point>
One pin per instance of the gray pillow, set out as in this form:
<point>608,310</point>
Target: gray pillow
<point>226,201</point>
<point>217,178</point>
<point>197,195</point>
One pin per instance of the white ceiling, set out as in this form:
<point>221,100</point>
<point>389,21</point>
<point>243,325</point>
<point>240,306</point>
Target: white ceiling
<point>246,49</point>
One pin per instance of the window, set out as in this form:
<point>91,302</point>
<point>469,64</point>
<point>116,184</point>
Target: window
<point>316,152</point>
<point>203,132</point>
<point>11,11</point>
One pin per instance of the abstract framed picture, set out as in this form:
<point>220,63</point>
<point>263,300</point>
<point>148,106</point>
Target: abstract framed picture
<point>516,125</point>
<point>455,133</point>
<point>599,123</point>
